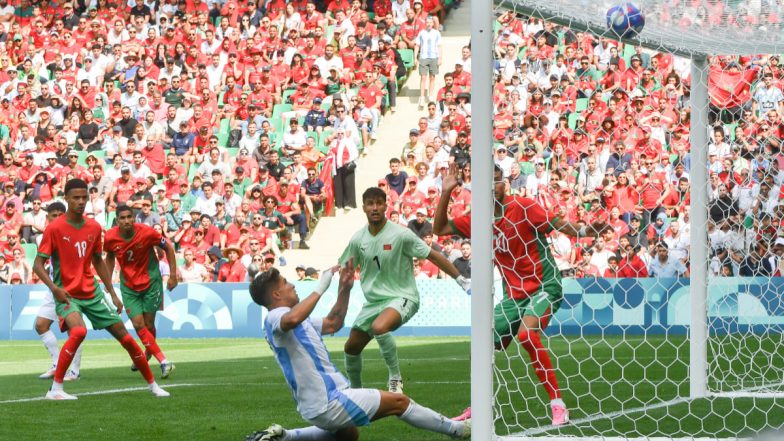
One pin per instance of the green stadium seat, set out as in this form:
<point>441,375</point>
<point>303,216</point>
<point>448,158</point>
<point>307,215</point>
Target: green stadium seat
<point>573,120</point>
<point>408,58</point>
<point>82,159</point>
<point>232,151</point>
<point>30,250</point>
<point>286,94</point>
<point>581,104</point>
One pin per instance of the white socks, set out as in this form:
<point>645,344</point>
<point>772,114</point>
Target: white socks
<point>50,343</point>
<point>428,419</point>
<point>311,433</point>
<point>557,402</point>
<point>77,360</point>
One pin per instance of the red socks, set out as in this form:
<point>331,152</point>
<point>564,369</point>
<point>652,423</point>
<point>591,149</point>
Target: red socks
<point>75,338</point>
<point>148,340</point>
<point>138,357</point>
<point>541,361</point>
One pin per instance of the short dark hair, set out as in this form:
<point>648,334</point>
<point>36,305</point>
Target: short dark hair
<point>56,206</point>
<point>122,207</point>
<point>74,184</point>
<point>394,161</point>
<point>373,193</point>
<point>262,284</point>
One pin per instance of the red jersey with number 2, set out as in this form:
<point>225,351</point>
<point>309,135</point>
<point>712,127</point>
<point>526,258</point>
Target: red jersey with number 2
<point>136,256</point>
<point>519,244</point>
<point>71,249</point>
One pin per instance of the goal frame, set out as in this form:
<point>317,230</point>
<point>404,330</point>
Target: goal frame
<point>482,351</point>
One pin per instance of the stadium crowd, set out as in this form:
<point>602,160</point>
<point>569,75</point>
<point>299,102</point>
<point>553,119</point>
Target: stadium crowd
<point>233,126</point>
<point>597,130</point>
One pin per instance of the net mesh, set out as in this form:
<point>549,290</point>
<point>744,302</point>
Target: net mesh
<point>594,132</point>
<point>681,26</point>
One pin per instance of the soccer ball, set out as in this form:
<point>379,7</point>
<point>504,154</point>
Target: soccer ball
<point>625,20</point>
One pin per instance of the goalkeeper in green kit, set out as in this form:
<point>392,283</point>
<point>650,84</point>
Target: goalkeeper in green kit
<point>384,252</point>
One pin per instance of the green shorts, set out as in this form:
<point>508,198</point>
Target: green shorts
<point>99,310</point>
<point>138,302</point>
<point>406,307</point>
<point>508,314</point>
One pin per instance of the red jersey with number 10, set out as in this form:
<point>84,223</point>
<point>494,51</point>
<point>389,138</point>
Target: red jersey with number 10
<point>520,246</point>
<point>136,256</point>
<point>71,249</point>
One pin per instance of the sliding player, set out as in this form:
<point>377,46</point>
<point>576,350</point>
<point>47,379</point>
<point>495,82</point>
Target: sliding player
<point>47,315</point>
<point>73,243</point>
<point>322,394</point>
<point>531,279</point>
<point>133,246</point>
<point>384,252</point>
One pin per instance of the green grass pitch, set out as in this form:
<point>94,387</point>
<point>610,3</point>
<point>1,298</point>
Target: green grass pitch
<point>224,389</point>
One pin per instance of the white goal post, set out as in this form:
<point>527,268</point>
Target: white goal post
<point>696,48</point>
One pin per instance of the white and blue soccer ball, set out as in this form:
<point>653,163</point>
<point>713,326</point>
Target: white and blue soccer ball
<point>625,20</point>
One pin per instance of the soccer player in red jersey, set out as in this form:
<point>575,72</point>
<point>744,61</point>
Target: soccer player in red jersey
<point>73,243</point>
<point>532,282</point>
<point>132,245</point>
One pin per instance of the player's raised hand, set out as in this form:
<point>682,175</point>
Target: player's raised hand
<point>171,283</point>
<point>347,275</point>
<point>596,228</point>
<point>61,295</point>
<point>117,303</point>
<point>326,279</point>
<point>450,180</point>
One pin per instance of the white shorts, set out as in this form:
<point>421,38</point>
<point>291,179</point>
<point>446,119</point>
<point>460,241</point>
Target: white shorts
<point>351,408</point>
<point>47,310</point>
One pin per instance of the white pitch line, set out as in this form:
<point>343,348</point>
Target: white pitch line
<point>168,386</point>
<point>604,416</point>
<point>673,402</point>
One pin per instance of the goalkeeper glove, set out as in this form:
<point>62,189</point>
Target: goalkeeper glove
<point>324,282</point>
<point>464,283</point>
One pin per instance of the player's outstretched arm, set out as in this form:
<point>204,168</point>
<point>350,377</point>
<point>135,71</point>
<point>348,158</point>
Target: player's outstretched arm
<point>171,257</point>
<point>575,230</point>
<point>441,225</point>
<point>333,322</point>
<point>110,262</point>
<point>106,278</point>
<point>302,310</point>
<point>58,293</point>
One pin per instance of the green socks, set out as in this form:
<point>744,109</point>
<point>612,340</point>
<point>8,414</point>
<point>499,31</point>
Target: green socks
<point>388,348</point>
<point>354,370</point>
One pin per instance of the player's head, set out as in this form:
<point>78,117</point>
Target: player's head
<point>124,215</point>
<point>54,210</point>
<point>269,289</point>
<point>76,195</point>
<point>374,204</point>
<point>499,185</point>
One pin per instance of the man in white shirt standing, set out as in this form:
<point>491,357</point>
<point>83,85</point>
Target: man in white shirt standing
<point>346,153</point>
<point>427,55</point>
<point>322,393</point>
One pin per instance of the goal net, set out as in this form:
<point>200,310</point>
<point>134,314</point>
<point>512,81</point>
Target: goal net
<point>669,321</point>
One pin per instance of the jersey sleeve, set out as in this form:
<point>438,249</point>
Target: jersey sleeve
<point>348,253</point>
<point>461,225</point>
<point>46,248</point>
<point>154,238</point>
<point>414,246</point>
<point>537,216</point>
<point>318,323</point>
<point>274,317</point>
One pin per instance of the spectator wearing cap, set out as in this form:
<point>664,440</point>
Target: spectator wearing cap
<point>141,193</point>
<point>345,152</point>
<point>412,197</point>
<point>146,215</point>
<point>414,145</point>
<point>125,186</point>
<point>233,270</point>
<point>344,120</point>
<point>182,142</point>
<point>504,160</point>
<point>316,118</point>
<point>420,225</point>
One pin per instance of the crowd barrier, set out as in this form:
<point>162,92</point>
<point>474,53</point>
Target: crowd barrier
<point>590,306</point>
